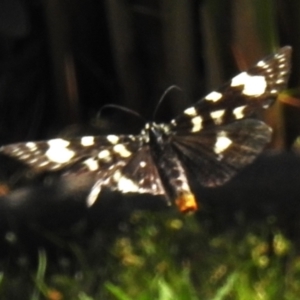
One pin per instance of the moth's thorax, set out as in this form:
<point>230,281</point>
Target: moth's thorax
<point>158,134</point>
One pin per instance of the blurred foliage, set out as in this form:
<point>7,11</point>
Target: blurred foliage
<point>166,256</point>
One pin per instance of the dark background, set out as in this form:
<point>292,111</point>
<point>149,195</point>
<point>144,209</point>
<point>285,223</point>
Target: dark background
<point>61,61</point>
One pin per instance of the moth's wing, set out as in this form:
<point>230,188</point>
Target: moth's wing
<point>136,173</point>
<point>243,95</point>
<point>59,153</point>
<point>122,163</point>
<point>216,154</point>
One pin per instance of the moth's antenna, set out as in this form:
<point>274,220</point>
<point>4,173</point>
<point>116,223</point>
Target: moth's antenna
<point>122,108</point>
<point>162,98</point>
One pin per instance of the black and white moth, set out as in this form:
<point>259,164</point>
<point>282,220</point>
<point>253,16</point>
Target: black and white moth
<point>210,141</point>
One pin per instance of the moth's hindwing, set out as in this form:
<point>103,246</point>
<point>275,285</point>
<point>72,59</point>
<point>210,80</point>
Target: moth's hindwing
<point>216,154</point>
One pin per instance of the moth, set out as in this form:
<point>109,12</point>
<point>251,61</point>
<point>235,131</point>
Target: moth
<point>210,141</point>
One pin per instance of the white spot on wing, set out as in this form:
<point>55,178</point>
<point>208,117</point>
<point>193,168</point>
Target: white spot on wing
<point>222,143</point>
<point>279,81</point>
<point>281,59</point>
<point>142,164</point>
<point>112,138</point>
<point>261,64</point>
<point>105,155</point>
<point>32,146</point>
<point>238,112</point>
<point>58,143</point>
<point>253,85</point>
<point>117,175</point>
<point>213,96</point>
<point>16,150</point>
<point>44,163</point>
<point>240,79</point>
<point>92,164</point>
<point>87,141</point>
<point>197,124</point>
<point>217,115</point>
<point>58,152</point>
<point>121,150</point>
<point>191,111</point>
<point>55,166</point>
<point>32,161</point>
<point>126,185</point>
<point>282,73</point>
<point>265,106</point>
